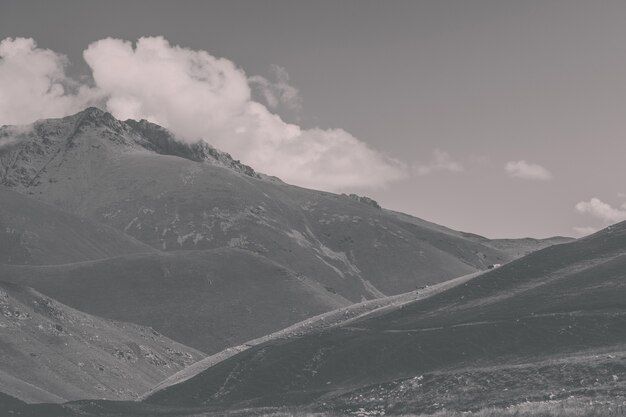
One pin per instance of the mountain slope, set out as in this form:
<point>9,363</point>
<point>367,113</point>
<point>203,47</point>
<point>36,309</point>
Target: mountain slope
<point>35,233</point>
<point>313,325</point>
<point>553,321</point>
<point>53,353</point>
<point>208,300</point>
<point>138,178</point>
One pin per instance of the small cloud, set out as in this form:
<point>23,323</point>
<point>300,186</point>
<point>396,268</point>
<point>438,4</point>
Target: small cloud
<point>279,92</point>
<point>525,170</point>
<point>584,230</point>
<point>439,162</point>
<point>601,210</point>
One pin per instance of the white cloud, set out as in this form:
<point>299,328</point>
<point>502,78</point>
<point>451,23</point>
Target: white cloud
<point>584,230</point>
<point>601,210</point>
<point>440,161</point>
<point>279,92</point>
<point>195,95</point>
<point>33,84</point>
<point>524,170</point>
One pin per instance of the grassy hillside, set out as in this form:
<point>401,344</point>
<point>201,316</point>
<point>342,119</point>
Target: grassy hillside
<point>562,307</point>
<point>132,225</point>
<point>35,233</point>
<point>209,299</point>
<point>137,178</point>
<point>313,325</point>
<point>53,353</point>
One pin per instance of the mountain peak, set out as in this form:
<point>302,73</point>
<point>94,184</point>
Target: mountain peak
<point>95,117</point>
<point>48,139</point>
<point>94,112</point>
<point>160,140</point>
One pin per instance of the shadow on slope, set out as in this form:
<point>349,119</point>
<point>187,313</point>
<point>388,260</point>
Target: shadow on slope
<point>53,353</point>
<point>35,233</point>
<point>208,300</point>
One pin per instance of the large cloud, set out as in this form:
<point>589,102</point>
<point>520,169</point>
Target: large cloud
<point>33,84</point>
<point>198,97</point>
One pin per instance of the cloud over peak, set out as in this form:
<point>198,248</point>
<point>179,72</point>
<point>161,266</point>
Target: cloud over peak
<point>280,92</point>
<point>34,85</point>
<point>197,96</point>
<point>527,171</point>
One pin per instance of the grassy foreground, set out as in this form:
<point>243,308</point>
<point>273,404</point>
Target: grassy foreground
<point>573,407</point>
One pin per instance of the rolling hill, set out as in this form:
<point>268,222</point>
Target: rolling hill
<point>53,353</point>
<point>313,325</point>
<point>546,326</point>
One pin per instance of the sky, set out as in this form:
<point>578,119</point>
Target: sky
<point>498,117</point>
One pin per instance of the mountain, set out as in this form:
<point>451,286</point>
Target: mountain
<point>122,220</point>
<point>53,353</point>
<point>140,179</point>
<point>35,233</point>
<point>547,326</point>
<point>148,229</point>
